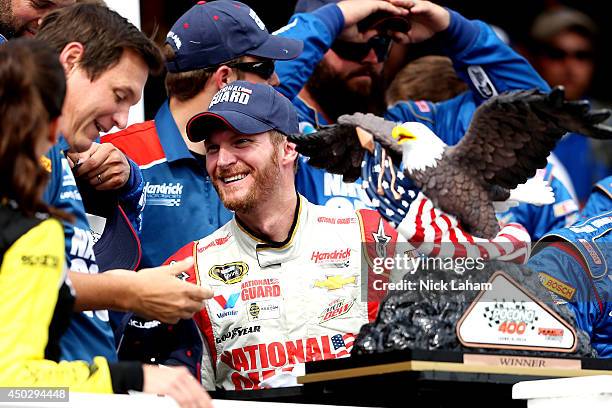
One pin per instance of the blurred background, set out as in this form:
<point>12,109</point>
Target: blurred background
<point>515,18</point>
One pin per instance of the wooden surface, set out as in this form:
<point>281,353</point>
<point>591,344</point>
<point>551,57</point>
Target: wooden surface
<point>455,362</point>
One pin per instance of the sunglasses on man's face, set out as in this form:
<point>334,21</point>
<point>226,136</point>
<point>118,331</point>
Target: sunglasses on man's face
<point>560,54</point>
<point>356,52</point>
<point>264,69</point>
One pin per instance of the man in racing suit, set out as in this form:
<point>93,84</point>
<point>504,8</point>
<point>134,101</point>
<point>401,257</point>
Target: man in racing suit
<point>282,296</point>
<point>293,281</point>
<point>480,58</point>
<point>574,265</point>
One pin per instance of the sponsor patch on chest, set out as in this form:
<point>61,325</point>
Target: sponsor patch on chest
<point>332,258</point>
<point>229,273</point>
<point>237,332</point>
<point>260,288</point>
<point>336,308</point>
<point>334,282</point>
<point>263,310</point>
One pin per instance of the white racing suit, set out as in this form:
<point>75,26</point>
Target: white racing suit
<point>279,305</point>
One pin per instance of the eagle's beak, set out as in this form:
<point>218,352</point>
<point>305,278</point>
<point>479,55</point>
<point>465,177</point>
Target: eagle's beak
<point>402,135</point>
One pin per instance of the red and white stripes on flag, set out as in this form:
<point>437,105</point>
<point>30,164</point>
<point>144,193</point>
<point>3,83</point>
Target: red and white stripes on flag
<point>342,344</point>
<point>434,233</point>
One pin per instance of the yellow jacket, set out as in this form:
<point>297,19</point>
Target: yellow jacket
<point>31,273</point>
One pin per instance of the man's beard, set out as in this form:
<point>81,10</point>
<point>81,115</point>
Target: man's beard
<point>266,181</point>
<point>333,94</point>
<point>7,23</point>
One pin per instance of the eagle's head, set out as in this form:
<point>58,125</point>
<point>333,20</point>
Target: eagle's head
<point>420,146</point>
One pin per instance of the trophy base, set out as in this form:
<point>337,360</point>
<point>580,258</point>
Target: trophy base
<point>437,378</point>
<point>422,378</point>
<point>512,368</point>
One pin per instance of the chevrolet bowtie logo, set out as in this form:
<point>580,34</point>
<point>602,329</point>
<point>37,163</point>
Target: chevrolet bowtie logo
<point>335,282</point>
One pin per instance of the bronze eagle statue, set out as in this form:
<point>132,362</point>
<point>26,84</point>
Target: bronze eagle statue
<point>508,140</point>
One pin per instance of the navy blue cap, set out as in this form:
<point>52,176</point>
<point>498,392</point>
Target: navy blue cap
<point>246,108</point>
<point>306,6</point>
<point>209,34</point>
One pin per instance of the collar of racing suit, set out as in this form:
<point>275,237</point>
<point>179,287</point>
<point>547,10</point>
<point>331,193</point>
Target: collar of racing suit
<point>270,252</point>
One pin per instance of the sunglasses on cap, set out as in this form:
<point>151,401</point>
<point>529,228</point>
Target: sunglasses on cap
<point>353,51</point>
<point>560,54</point>
<point>264,69</point>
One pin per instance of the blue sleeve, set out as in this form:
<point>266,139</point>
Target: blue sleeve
<point>51,193</point>
<point>484,62</point>
<point>568,284</point>
<point>598,203</point>
<point>317,30</point>
<point>600,200</point>
<point>449,120</point>
<point>131,196</point>
<point>413,111</point>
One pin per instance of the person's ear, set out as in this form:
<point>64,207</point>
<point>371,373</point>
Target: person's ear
<point>53,131</point>
<point>43,145</point>
<point>289,153</point>
<point>223,76</point>
<point>70,57</point>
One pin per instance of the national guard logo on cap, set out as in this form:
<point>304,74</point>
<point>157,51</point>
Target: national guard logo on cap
<point>232,93</point>
<point>229,273</point>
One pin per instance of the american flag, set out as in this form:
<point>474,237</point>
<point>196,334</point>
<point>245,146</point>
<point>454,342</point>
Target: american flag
<point>432,232</point>
<point>427,228</point>
<point>344,343</point>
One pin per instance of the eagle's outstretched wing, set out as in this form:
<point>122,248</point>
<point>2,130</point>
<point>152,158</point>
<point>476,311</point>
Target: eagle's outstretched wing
<point>338,148</point>
<point>510,136</point>
<point>335,148</point>
<point>381,129</point>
